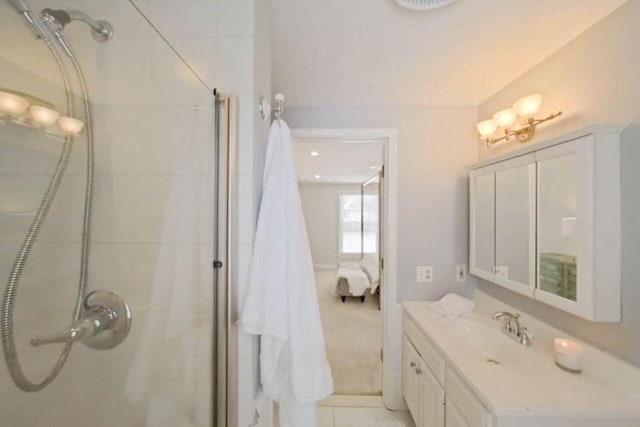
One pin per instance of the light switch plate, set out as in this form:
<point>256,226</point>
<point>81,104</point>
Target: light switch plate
<point>424,274</point>
<point>461,273</point>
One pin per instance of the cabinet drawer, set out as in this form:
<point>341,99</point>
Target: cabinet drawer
<point>470,408</point>
<point>429,354</point>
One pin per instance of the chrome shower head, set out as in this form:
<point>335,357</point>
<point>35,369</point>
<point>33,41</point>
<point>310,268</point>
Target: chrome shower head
<point>101,30</point>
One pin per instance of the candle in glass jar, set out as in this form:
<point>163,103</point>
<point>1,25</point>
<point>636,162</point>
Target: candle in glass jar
<point>568,354</point>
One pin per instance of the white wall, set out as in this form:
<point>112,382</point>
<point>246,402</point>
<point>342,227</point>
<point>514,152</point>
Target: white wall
<point>320,205</point>
<point>595,79</point>
<point>435,144</point>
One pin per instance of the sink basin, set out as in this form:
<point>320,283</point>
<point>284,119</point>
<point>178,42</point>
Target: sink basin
<point>484,338</point>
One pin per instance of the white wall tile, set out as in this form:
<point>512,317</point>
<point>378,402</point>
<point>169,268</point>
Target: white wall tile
<point>154,140</point>
<point>236,17</point>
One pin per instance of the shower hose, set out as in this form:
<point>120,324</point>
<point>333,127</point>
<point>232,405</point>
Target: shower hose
<point>22,257</point>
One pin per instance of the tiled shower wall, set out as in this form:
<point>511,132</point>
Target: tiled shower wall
<point>152,228</point>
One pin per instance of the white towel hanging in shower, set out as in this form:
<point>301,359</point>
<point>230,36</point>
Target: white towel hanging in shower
<point>281,303</point>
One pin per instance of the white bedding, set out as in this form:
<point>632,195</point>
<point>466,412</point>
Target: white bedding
<point>357,279</point>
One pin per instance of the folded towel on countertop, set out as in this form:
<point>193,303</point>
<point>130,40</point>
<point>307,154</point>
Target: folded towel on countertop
<point>452,305</point>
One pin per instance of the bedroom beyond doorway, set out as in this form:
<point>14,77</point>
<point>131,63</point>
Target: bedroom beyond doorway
<point>340,188</point>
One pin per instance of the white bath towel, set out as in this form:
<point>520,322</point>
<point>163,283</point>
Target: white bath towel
<point>452,305</point>
<point>357,279</point>
<point>281,304</point>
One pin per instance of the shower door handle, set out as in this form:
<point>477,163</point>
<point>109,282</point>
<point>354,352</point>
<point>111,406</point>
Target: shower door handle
<point>105,323</point>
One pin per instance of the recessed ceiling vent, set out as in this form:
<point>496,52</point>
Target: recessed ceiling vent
<point>424,4</point>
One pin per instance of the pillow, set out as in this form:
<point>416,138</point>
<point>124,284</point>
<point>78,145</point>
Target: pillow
<point>369,265</point>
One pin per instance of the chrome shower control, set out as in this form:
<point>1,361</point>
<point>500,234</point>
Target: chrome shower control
<point>105,323</point>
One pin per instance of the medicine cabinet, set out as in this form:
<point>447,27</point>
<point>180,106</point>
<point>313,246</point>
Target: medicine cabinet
<point>545,222</point>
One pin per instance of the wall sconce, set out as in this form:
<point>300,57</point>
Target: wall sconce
<point>27,110</point>
<point>506,119</point>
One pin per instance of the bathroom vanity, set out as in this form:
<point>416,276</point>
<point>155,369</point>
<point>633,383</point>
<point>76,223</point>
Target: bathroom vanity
<point>465,372</point>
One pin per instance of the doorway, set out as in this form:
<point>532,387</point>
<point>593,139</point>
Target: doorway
<point>351,245</point>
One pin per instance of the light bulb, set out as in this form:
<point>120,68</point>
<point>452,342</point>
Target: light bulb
<point>43,116</point>
<point>505,118</point>
<point>316,176</point>
<point>528,106</point>
<point>314,154</point>
<point>70,125</point>
<point>12,104</point>
<point>487,128</point>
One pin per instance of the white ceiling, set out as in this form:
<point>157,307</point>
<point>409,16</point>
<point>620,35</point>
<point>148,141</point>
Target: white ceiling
<point>374,53</point>
<point>338,162</point>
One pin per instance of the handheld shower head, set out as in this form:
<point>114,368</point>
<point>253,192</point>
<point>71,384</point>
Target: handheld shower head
<point>102,31</point>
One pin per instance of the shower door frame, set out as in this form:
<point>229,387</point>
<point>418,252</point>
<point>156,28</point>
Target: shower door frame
<point>225,363</point>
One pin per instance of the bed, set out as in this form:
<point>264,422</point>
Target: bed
<point>356,279</point>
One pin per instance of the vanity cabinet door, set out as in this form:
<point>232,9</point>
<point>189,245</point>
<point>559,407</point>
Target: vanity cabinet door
<point>515,224</point>
<point>410,378</point>
<point>454,417</point>
<point>482,223</point>
<point>431,398</point>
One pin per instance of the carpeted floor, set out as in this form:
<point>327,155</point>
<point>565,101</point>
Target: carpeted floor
<point>353,335</point>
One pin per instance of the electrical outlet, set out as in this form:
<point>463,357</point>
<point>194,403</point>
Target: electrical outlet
<point>424,274</point>
<point>461,273</point>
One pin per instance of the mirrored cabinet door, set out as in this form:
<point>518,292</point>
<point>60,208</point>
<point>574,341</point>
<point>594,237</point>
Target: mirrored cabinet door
<point>482,188</point>
<point>515,225</point>
<point>557,260</point>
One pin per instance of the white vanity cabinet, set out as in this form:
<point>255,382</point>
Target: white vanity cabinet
<point>545,222</point>
<point>435,395</point>
<point>423,393</point>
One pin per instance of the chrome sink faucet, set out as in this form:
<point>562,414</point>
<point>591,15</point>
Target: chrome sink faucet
<point>512,328</point>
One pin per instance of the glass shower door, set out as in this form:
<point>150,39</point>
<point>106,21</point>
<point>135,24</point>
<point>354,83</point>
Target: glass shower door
<point>152,221</point>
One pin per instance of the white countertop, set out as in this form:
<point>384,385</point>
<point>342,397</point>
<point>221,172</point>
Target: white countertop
<point>527,380</point>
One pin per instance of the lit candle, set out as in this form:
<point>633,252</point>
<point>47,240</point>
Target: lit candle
<point>568,355</point>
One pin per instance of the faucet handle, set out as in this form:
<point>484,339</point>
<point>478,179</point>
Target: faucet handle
<point>525,336</point>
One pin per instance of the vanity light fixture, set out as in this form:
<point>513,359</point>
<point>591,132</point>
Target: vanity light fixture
<point>70,126</point>
<point>12,104</point>
<point>314,154</point>
<point>507,120</point>
<point>43,116</point>
<point>28,110</point>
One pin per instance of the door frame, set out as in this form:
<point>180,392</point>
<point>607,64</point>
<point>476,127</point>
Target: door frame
<point>391,308</point>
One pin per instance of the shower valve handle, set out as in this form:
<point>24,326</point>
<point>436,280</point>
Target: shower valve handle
<point>105,323</point>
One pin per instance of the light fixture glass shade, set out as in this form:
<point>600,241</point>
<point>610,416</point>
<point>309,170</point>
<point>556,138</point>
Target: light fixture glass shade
<point>12,104</point>
<point>505,118</point>
<point>70,125</point>
<point>528,106</point>
<point>43,116</point>
<point>487,128</point>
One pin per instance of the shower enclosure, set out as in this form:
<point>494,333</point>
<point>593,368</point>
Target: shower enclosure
<point>116,183</point>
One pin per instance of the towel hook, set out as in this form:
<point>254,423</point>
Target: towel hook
<point>266,110</point>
